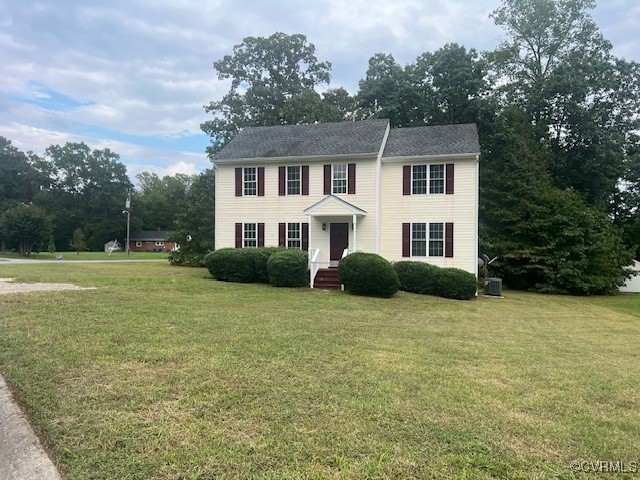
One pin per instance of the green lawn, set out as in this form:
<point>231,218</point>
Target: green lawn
<point>164,373</point>
<point>91,256</point>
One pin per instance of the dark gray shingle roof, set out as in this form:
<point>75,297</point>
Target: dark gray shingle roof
<point>432,140</point>
<point>340,138</point>
<point>150,235</point>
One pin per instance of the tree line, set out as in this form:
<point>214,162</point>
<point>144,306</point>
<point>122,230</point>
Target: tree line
<point>72,198</point>
<point>557,114</point>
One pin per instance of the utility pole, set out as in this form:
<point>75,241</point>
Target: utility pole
<point>127,211</point>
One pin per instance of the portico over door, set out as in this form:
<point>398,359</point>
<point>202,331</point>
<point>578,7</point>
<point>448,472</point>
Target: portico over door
<point>338,240</point>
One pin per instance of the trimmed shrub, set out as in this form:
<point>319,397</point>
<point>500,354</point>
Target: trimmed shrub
<point>232,265</point>
<point>368,274</point>
<point>288,268</point>
<point>418,277</point>
<point>261,257</point>
<point>456,283</point>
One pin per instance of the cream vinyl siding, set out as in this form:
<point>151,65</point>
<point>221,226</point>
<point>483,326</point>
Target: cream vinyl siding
<point>459,208</point>
<point>272,209</point>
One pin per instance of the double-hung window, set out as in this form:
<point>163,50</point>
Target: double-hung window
<point>419,240</point>
<point>427,179</point>
<point>293,180</point>
<point>436,178</point>
<point>250,235</point>
<point>339,179</point>
<point>419,179</point>
<point>250,181</point>
<point>436,240</point>
<point>427,239</point>
<point>294,238</point>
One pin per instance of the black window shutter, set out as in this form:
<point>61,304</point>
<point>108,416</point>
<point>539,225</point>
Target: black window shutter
<point>238,235</point>
<point>448,239</point>
<point>305,180</point>
<point>406,180</point>
<point>449,170</point>
<point>351,179</point>
<point>261,181</point>
<point>238,182</point>
<point>282,234</point>
<point>327,179</point>
<point>406,239</point>
<point>282,181</point>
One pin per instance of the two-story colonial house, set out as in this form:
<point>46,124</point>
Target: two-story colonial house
<point>406,193</point>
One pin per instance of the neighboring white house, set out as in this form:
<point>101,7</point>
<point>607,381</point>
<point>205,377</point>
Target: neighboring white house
<point>407,193</point>
<point>632,285</point>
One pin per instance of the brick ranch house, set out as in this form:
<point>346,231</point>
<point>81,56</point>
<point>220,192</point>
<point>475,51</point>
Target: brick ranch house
<point>335,188</point>
<point>150,241</point>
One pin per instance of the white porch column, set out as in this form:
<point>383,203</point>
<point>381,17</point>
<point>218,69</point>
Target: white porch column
<point>355,233</point>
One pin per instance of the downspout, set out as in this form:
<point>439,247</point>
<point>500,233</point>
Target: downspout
<point>379,185</point>
<point>477,212</point>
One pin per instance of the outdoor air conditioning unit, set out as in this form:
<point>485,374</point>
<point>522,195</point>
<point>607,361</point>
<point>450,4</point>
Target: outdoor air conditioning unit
<point>493,286</point>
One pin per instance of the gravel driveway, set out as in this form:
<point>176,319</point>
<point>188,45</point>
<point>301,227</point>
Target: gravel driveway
<point>7,286</point>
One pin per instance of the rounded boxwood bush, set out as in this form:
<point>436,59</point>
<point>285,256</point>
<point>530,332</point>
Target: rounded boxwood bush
<point>456,283</point>
<point>288,268</point>
<point>232,265</point>
<point>368,274</point>
<point>261,257</point>
<point>418,277</point>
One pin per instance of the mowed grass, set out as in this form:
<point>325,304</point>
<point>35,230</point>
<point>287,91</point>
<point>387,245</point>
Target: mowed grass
<point>90,256</point>
<point>164,373</point>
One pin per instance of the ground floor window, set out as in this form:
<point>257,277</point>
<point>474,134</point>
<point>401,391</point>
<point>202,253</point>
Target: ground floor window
<point>159,244</point>
<point>294,238</point>
<point>250,235</point>
<point>427,239</point>
<point>138,243</point>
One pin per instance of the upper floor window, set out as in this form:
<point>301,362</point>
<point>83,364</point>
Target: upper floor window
<point>339,179</point>
<point>293,180</point>
<point>250,235</point>
<point>427,179</point>
<point>436,178</point>
<point>294,239</point>
<point>250,181</point>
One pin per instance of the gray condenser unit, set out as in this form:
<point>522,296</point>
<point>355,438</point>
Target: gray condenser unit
<point>493,286</point>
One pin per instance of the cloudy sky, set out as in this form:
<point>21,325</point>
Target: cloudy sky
<point>133,75</point>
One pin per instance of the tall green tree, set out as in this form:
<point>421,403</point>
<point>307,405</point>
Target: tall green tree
<point>266,74</point>
<point>195,222</point>
<point>24,227</point>
<point>22,175</point>
<point>159,199</point>
<point>557,66</point>
<point>453,84</point>
<point>89,189</point>
<point>391,91</point>
<point>546,238</point>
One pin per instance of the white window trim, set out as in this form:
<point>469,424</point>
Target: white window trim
<point>428,239</point>
<point>428,179</point>
<point>299,180</point>
<point>245,182</point>
<point>138,243</point>
<point>346,178</point>
<point>159,244</point>
<point>287,238</point>
<point>245,238</point>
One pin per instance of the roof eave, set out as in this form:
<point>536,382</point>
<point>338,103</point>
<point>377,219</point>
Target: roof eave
<point>307,158</point>
<point>441,156</point>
